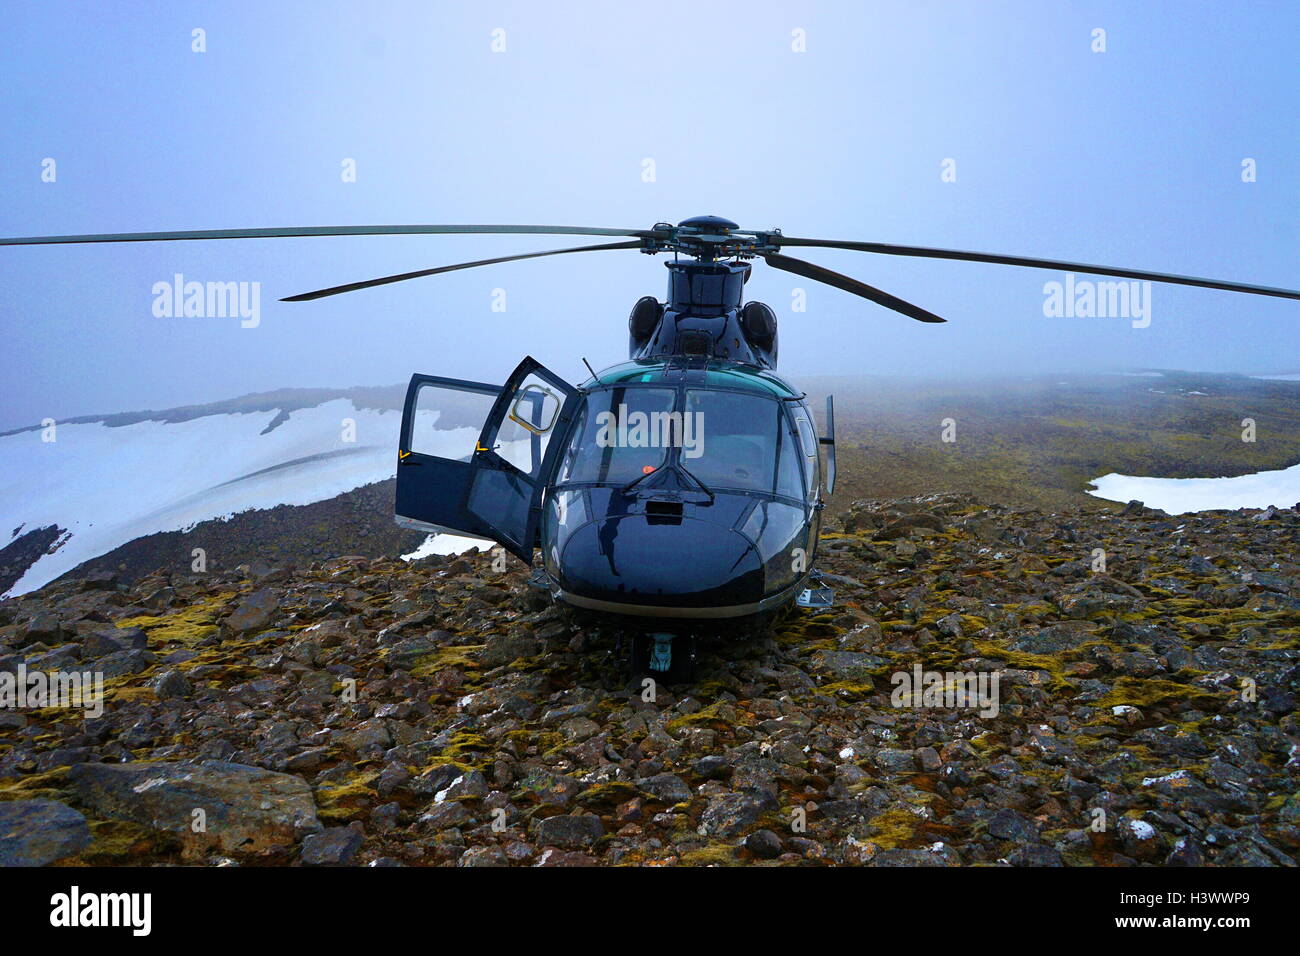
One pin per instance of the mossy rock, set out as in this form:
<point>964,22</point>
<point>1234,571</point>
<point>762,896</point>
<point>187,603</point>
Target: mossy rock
<point>897,829</point>
<point>1054,665</point>
<point>37,786</point>
<point>463,656</point>
<point>463,747</point>
<point>716,854</point>
<point>189,625</point>
<point>118,842</point>
<point>720,715</point>
<point>849,691</point>
<point>1150,693</point>
<point>606,796</point>
<point>340,803</point>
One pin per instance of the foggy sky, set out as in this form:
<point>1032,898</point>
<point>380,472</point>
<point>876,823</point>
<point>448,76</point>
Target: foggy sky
<point>1128,157</point>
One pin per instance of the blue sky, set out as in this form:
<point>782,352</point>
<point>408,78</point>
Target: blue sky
<point>1128,157</point>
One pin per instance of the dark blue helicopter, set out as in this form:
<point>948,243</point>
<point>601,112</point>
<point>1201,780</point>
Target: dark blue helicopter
<point>683,486</point>
<point>677,491</point>
<point>671,489</point>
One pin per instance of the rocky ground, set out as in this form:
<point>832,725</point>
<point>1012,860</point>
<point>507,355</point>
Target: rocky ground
<point>365,711</point>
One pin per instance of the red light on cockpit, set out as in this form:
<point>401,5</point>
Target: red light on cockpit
<point>646,469</point>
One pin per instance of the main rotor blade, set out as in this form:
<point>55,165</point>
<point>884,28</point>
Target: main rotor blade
<point>819,274</point>
<point>354,286</point>
<point>300,231</point>
<point>889,249</point>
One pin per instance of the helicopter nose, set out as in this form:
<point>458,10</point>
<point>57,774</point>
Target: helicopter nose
<point>689,563</point>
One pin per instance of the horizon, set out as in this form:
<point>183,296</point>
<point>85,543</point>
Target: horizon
<point>960,378</point>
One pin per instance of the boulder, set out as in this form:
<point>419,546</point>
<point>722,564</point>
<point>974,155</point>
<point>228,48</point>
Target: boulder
<point>570,832</point>
<point>254,612</point>
<point>504,648</point>
<point>668,787</point>
<point>244,809</point>
<point>731,814</point>
<point>171,684</point>
<point>37,832</point>
<point>333,846</point>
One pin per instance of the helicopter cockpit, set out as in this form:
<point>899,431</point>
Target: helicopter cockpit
<point>683,489</point>
<point>732,441</point>
<point>664,488</point>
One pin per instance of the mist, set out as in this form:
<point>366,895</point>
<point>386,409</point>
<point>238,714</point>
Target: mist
<point>997,128</point>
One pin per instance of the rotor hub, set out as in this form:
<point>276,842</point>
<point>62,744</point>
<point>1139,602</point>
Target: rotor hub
<point>710,238</point>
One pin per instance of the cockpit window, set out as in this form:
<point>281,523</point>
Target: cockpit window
<point>789,476</point>
<point>738,443</point>
<point>726,440</point>
<point>809,444</point>
<point>622,434</point>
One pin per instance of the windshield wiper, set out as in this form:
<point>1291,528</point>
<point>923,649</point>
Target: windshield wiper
<point>703,487</point>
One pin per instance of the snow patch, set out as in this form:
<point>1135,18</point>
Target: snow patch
<point>445,544</point>
<point>1141,829</point>
<point>1178,496</point>
<point>109,485</point>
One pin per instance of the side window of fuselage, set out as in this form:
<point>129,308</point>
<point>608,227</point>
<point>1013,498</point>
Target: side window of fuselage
<point>570,460</point>
<point>789,473</point>
<point>808,446</point>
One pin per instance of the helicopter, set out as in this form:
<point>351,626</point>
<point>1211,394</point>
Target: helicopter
<point>675,493</point>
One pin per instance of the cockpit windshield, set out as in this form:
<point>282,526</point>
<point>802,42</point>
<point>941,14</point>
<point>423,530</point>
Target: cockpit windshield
<point>726,440</point>
<point>619,435</point>
<point>744,442</point>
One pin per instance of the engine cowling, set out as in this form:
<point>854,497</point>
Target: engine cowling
<point>644,319</point>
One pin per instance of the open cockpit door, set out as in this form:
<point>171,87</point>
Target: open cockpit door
<point>441,424</point>
<point>474,458</point>
<point>516,455</point>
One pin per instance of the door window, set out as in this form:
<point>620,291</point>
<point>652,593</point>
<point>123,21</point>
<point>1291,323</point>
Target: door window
<point>441,422</point>
<point>446,421</point>
<point>514,455</point>
<point>529,424</point>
